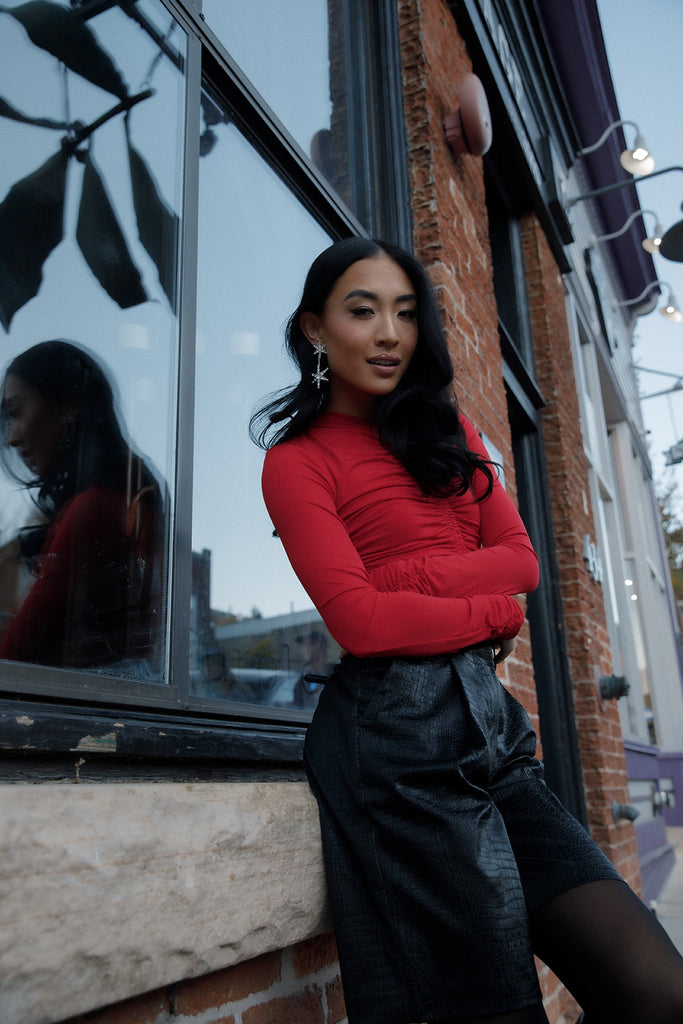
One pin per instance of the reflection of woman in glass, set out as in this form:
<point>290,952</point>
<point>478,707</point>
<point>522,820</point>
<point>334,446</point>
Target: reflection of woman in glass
<point>98,557</point>
<point>449,861</point>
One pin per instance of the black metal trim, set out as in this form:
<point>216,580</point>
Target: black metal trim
<point>546,621</point>
<point>34,727</point>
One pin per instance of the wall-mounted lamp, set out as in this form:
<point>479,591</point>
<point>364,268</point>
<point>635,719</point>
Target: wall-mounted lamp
<point>624,812</point>
<point>651,244</point>
<point>636,160</point>
<point>671,245</point>
<point>614,687</point>
<point>670,308</point>
<point>468,129</point>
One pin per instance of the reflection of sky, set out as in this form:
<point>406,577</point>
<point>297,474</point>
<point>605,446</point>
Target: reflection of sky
<point>254,250</point>
<point>138,345</point>
<point>283,49</point>
<point>255,245</point>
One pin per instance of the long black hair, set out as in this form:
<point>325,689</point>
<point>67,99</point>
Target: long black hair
<point>419,420</point>
<point>94,453</point>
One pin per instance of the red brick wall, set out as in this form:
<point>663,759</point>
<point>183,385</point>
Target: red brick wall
<point>451,239</point>
<point>600,739</point>
<point>300,984</point>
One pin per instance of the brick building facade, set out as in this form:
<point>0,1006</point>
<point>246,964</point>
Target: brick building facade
<point>203,877</point>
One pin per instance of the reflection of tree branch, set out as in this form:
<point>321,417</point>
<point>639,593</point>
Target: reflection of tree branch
<point>91,8</point>
<point>81,134</point>
<point>7,110</point>
<point>173,55</point>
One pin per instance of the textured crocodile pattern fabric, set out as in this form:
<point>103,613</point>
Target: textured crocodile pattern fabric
<point>439,836</point>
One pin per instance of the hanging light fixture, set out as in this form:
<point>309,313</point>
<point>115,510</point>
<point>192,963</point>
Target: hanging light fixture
<point>669,310</point>
<point>671,245</point>
<point>650,244</point>
<point>637,160</point>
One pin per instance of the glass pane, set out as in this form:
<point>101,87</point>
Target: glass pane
<point>295,55</point>
<point>252,623</point>
<point>91,185</point>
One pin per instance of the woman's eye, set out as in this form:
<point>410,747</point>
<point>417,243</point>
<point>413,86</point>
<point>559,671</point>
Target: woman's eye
<point>408,314</point>
<point>361,311</point>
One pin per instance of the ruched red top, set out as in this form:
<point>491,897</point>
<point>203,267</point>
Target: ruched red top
<point>393,571</point>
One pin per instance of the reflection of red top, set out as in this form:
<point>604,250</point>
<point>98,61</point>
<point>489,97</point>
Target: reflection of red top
<point>391,570</point>
<point>93,601</point>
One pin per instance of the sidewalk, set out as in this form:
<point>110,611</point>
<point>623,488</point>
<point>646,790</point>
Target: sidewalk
<point>670,903</point>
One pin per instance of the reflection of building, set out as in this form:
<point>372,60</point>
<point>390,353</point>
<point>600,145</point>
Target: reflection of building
<point>277,637</point>
<point>201,629</point>
<point>209,807</point>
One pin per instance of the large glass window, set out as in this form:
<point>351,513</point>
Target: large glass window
<point>156,224</point>
<point>91,180</point>
<point>251,620</point>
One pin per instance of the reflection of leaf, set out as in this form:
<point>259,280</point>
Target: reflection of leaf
<point>157,223</point>
<point>63,33</point>
<point>7,110</point>
<point>102,243</point>
<point>31,225</point>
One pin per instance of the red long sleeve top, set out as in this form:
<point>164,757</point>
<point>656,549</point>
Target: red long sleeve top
<point>92,602</point>
<point>393,571</point>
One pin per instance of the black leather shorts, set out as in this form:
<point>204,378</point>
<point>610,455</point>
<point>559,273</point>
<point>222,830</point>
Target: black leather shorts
<point>439,836</point>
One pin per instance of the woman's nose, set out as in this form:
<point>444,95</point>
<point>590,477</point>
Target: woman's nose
<point>14,436</point>
<point>387,333</point>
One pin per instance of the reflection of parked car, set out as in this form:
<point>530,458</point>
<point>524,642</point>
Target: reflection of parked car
<point>283,693</point>
<point>270,686</point>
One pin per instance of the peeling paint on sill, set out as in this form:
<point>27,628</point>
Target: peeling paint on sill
<point>24,720</point>
<point>105,742</point>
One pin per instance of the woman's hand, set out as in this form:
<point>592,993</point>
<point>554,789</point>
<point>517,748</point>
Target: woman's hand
<point>505,647</point>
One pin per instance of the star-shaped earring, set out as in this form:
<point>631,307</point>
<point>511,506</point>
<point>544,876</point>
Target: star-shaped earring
<point>319,374</point>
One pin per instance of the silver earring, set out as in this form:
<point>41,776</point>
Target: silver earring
<point>319,373</point>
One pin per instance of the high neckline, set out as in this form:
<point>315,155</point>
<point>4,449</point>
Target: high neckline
<point>342,419</point>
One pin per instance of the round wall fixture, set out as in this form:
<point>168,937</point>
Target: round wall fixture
<point>468,129</point>
<point>671,245</point>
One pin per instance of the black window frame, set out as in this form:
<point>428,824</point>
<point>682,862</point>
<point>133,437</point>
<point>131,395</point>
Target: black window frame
<point>63,717</point>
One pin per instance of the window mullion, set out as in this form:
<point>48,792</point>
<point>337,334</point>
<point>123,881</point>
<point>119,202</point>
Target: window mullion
<point>181,545</point>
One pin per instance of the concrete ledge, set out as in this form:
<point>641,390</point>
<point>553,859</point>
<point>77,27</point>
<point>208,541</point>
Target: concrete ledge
<point>107,891</point>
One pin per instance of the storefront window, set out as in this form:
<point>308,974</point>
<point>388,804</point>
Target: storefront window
<point>156,225</point>
<point>91,180</point>
<point>252,623</point>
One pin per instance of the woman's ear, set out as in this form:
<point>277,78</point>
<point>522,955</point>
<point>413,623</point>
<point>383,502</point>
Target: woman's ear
<point>310,325</point>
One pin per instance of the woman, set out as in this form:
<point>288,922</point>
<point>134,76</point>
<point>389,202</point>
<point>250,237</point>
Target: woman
<point>97,555</point>
<point>448,860</point>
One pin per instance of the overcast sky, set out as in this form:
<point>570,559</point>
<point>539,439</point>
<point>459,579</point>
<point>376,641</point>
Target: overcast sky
<point>643,43</point>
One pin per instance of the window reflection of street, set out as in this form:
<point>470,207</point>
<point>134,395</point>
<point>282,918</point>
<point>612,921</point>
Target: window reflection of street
<point>246,601</point>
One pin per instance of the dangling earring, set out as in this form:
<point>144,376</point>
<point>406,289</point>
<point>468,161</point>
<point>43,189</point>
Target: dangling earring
<point>319,373</point>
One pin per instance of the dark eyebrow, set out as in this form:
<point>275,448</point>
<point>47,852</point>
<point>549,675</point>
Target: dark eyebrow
<point>360,293</point>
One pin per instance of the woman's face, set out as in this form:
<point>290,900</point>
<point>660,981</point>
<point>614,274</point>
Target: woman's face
<point>35,425</point>
<point>369,328</point>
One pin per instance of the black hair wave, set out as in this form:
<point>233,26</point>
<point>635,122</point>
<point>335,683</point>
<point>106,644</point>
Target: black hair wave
<point>419,420</point>
<point>97,453</point>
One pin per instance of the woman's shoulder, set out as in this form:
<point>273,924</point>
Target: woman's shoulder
<point>331,432</point>
<point>322,455</point>
<point>287,462</point>
<point>472,436</point>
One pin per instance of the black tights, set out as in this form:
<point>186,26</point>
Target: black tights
<point>610,952</point>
